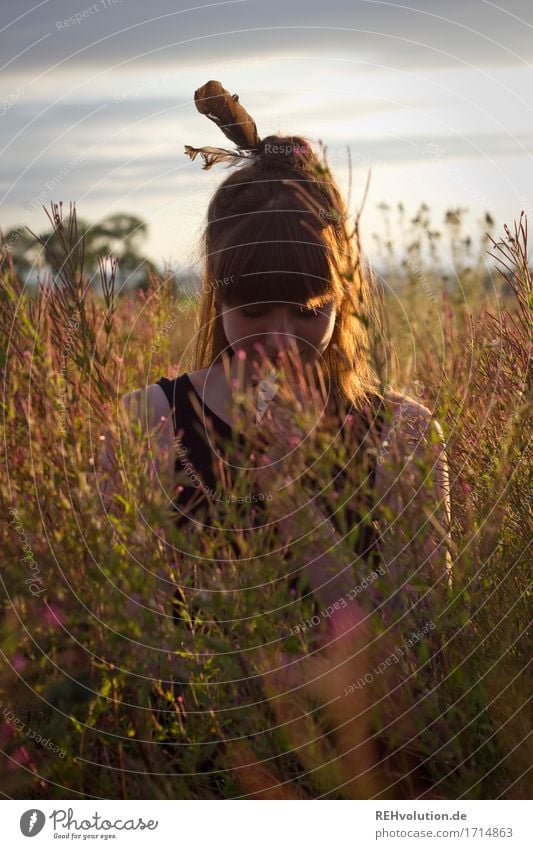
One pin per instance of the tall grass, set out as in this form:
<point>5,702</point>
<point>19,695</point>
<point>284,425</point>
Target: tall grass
<point>109,691</point>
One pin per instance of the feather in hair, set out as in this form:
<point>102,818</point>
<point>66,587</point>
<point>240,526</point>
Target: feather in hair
<point>212,155</point>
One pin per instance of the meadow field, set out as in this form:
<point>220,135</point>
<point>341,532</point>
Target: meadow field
<point>107,693</point>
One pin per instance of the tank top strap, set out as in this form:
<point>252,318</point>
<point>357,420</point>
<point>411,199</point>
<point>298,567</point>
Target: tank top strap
<point>178,395</point>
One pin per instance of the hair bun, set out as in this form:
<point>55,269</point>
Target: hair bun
<point>286,152</point>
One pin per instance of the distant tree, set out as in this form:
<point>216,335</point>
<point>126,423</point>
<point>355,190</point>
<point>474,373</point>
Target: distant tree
<point>120,235</point>
<point>23,247</point>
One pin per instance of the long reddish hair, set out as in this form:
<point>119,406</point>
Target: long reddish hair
<point>277,230</point>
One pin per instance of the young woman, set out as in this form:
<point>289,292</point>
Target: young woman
<point>284,279</point>
<point>285,296</point>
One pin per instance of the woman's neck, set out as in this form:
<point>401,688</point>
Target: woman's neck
<point>237,394</point>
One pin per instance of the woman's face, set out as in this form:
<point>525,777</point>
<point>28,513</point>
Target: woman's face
<point>278,326</point>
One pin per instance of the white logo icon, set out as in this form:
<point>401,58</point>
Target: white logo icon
<point>32,822</point>
<point>266,389</point>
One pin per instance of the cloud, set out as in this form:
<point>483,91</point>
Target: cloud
<point>100,108</point>
<point>109,174</point>
<point>108,33</point>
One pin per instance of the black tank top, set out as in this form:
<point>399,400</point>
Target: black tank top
<point>199,438</point>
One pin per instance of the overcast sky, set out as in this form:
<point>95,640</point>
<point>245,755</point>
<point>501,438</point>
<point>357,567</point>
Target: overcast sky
<point>96,103</point>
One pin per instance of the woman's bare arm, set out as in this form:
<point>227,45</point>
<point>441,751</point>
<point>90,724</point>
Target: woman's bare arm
<point>413,493</point>
<point>149,413</point>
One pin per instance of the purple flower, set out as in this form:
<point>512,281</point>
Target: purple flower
<point>53,616</point>
<point>18,662</point>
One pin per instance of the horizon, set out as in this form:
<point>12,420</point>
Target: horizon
<point>98,110</point>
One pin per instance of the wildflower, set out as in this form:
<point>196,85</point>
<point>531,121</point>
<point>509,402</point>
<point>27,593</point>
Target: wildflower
<point>18,662</point>
<point>53,616</point>
<point>20,756</point>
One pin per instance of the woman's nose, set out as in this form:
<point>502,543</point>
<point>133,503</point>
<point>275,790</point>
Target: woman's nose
<point>281,337</point>
<point>279,343</point>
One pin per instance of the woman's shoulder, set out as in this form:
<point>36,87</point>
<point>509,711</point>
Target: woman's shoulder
<point>402,404</point>
<point>149,403</point>
<point>168,397</point>
<point>408,418</point>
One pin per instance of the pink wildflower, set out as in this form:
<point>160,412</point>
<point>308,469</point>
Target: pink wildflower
<point>53,616</point>
<point>20,756</point>
<point>18,661</point>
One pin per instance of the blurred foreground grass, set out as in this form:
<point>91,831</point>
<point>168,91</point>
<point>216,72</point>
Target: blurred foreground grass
<point>101,695</point>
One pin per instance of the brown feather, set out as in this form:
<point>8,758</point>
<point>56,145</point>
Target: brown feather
<point>212,155</point>
<point>217,104</point>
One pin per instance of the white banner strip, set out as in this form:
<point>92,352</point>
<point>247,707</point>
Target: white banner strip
<point>263,824</point>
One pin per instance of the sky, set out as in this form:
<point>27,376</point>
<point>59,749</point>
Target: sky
<point>97,103</point>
